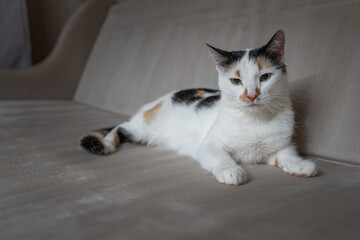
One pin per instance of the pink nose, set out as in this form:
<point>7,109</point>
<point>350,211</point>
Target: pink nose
<point>252,97</point>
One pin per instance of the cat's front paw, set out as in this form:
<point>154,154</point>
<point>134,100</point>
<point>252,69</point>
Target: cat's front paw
<point>304,168</point>
<point>230,175</point>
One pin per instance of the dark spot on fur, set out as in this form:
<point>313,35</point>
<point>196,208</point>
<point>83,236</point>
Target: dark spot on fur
<point>237,55</point>
<point>273,51</point>
<point>92,144</point>
<point>261,52</point>
<point>188,96</point>
<point>124,136</point>
<point>208,102</point>
<point>224,58</point>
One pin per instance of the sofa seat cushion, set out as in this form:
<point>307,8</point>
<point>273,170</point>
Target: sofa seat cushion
<point>51,189</point>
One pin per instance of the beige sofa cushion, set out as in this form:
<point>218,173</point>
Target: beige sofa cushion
<point>147,48</point>
<point>52,189</point>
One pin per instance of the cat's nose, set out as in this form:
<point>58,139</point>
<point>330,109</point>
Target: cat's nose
<point>252,97</point>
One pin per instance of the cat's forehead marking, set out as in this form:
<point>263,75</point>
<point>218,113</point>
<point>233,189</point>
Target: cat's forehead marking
<point>237,72</point>
<point>260,55</point>
<point>262,63</point>
<point>246,68</point>
<point>236,57</point>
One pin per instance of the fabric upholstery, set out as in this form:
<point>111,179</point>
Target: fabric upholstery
<point>51,189</point>
<point>148,48</point>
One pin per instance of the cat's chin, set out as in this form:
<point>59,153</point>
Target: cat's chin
<point>254,106</point>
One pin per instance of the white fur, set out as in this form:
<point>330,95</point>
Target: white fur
<point>230,132</point>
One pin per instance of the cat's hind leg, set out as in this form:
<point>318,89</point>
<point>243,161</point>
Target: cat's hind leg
<point>105,141</point>
<point>289,161</point>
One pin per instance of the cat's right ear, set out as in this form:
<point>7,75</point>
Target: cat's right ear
<point>222,58</point>
<point>275,47</point>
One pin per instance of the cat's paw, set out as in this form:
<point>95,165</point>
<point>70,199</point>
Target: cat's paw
<point>92,144</point>
<point>304,168</point>
<point>231,175</point>
<point>109,147</point>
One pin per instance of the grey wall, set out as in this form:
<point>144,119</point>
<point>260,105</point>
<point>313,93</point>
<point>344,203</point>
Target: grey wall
<point>47,18</point>
<point>57,76</point>
<point>14,35</point>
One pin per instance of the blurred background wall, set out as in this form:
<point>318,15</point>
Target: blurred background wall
<point>15,49</point>
<point>46,20</point>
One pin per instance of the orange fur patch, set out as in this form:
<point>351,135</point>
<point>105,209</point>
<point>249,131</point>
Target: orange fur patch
<point>237,73</point>
<point>258,92</point>
<point>150,114</point>
<point>116,139</point>
<point>243,97</point>
<point>200,93</point>
<point>263,63</point>
<point>276,163</point>
<point>98,135</point>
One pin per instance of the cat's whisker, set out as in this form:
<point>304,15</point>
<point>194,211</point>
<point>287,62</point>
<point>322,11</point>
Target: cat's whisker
<point>272,105</point>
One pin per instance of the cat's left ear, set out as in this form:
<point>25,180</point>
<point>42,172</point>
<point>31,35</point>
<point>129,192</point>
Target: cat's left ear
<point>222,58</point>
<point>275,47</point>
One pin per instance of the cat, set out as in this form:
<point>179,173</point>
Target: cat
<point>248,121</point>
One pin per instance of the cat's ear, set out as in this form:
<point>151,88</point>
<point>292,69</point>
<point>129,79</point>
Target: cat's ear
<point>275,47</point>
<point>222,58</point>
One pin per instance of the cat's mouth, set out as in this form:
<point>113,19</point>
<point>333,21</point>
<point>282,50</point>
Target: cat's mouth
<point>254,105</point>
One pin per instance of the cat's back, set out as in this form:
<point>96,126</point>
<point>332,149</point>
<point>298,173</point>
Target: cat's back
<point>178,120</point>
<point>194,101</point>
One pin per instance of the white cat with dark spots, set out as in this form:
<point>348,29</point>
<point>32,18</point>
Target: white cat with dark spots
<point>248,121</point>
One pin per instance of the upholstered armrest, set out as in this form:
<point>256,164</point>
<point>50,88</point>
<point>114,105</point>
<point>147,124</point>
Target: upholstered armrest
<point>58,75</point>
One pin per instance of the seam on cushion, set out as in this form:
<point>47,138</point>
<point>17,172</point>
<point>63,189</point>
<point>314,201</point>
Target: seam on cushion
<point>337,162</point>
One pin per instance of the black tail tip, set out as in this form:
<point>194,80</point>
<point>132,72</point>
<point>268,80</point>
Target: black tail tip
<point>92,144</point>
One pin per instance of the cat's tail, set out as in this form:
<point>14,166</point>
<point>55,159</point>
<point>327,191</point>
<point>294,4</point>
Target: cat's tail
<point>105,141</point>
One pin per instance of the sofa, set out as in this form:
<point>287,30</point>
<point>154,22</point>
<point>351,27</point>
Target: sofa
<point>111,58</point>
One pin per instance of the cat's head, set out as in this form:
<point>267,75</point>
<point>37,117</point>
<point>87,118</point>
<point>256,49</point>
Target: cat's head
<point>251,79</point>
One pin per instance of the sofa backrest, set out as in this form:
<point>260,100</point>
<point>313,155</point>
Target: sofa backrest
<point>148,48</point>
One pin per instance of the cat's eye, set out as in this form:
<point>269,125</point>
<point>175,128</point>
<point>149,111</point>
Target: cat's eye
<point>235,81</point>
<point>265,77</point>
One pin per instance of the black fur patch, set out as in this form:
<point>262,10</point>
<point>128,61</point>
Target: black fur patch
<point>92,144</point>
<point>261,52</point>
<point>272,56</point>
<point>124,136</point>
<point>227,58</point>
<point>237,55</point>
<point>208,102</point>
<point>188,96</point>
